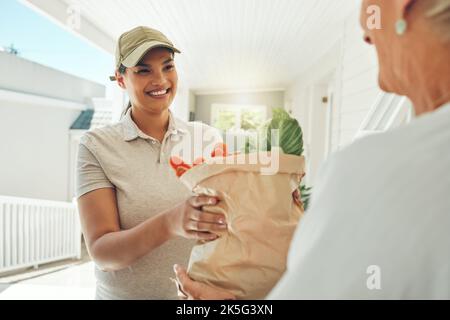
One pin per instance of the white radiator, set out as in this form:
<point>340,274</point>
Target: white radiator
<point>35,232</point>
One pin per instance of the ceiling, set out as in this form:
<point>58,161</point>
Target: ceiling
<point>225,44</point>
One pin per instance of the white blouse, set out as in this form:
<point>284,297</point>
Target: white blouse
<point>379,222</point>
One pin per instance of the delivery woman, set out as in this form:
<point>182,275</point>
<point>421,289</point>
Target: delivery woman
<point>138,220</point>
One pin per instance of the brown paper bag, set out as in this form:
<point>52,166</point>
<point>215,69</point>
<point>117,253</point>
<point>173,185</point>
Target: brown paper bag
<point>250,257</point>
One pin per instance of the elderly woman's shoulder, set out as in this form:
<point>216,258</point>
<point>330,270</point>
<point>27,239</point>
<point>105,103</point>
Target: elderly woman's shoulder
<point>405,145</point>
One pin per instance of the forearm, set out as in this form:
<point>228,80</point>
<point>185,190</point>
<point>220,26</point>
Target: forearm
<point>119,250</point>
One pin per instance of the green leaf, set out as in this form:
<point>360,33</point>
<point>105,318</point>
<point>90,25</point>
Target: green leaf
<point>305,193</point>
<point>289,135</point>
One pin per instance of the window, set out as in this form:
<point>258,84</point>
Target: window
<point>238,118</point>
<point>237,122</point>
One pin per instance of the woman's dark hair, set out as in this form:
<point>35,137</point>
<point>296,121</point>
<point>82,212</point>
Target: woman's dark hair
<point>122,69</point>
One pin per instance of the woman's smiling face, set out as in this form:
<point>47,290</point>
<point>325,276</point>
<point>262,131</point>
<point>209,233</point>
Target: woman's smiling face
<point>152,84</point>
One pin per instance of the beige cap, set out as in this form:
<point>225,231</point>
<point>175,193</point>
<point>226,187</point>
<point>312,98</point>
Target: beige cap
<point>134,44</point>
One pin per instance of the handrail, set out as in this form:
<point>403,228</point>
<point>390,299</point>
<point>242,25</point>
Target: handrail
<point>387,111</point>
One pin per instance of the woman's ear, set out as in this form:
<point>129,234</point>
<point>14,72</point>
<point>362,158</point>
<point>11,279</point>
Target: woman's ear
<point>120,80</point>
<point>404,6</point>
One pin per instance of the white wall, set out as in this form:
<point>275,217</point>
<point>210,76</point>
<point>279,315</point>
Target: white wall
<point>358,83</point>
<point>349,68</point>
<point>34,154</point>
<point>118,98</point>
<point>317,130</point>
<point>192,101</point>
<point>180,105</point>
<point>34,130</point>
<point>304,100</point>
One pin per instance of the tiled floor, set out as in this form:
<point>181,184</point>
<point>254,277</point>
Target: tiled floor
<point>73,283</point>
<point>3,287</point>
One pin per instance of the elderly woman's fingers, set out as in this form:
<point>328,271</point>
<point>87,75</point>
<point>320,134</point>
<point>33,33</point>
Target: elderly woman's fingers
<point>297,197</point>
<point>181,295</point>
<point>202,236</point>
<point>186,285</point>
<point>197,290</point>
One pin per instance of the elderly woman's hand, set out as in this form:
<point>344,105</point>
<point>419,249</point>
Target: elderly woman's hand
<point>297,197</point>
<point>192,290</point>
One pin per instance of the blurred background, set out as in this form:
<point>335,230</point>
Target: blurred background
<point>240,60</point>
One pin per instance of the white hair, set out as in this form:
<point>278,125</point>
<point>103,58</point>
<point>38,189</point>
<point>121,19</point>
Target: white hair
<point>439,13</point>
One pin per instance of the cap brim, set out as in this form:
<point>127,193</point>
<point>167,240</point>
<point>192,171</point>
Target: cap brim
<point>133,58</point>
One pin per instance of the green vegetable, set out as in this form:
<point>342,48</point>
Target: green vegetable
<point>290,135</point>
<point>289,139</point>
<point>305,193</point>
<point>250,145</point>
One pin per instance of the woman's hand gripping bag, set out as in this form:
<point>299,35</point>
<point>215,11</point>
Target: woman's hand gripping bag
<point>250,257</point>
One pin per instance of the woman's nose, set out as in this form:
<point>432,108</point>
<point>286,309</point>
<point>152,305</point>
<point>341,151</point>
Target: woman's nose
<point>158,79</point>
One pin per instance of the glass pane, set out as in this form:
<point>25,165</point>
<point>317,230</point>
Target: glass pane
<point>225,120</point>
<point>251,119</point>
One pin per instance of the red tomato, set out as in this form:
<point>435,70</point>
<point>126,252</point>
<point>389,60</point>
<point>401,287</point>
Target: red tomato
<point>181,170</point>
<point>220,150</point>
<point>175,162</point>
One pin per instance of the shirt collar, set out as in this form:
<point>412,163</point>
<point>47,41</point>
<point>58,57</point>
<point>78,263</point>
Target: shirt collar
<point>131,131</point>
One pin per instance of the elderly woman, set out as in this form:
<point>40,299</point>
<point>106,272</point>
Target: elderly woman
<point>378,226</point>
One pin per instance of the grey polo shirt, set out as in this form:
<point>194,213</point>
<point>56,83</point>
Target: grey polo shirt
<point>137,167</point>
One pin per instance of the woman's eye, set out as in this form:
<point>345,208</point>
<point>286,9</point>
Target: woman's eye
<point>170,67</point>
<point>143,71</point>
